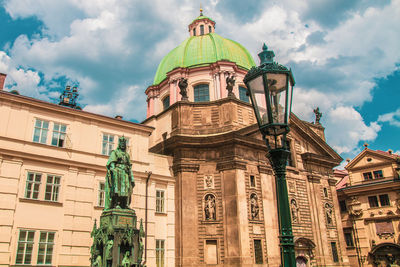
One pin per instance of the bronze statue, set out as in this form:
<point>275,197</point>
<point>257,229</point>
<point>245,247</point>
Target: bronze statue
<point>318,115</point>
<point>119,179</point>
<point>183,84</point>
<point>126,262</point>
<point>230,83</point>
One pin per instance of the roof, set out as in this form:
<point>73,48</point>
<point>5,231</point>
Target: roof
<point>202,17</point>
<point>345,178</point>
<point>203,50</point>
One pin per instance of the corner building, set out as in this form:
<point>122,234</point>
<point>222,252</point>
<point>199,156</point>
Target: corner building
<point>225,202</point>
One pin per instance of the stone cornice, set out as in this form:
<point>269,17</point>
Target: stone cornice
<point>332,181</point>
<point>265,169</point>
<point>233,164</point>
<point>185,167</point>
<point>9,99</point>
<point>312,158</point>
<point>314,178</point>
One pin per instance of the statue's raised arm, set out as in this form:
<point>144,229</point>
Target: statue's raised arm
<point>119,179</point>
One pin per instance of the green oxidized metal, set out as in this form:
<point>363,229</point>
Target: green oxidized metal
<point>203,50</point>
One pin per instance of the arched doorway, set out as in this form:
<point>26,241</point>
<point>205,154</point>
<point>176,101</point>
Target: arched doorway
<point>385,254</point>
<point>301,262</point>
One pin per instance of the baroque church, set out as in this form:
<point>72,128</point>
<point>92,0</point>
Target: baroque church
<point>205,189</point>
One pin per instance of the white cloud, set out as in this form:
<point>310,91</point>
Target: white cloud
<point>348,129</point>
<point>393,118</point>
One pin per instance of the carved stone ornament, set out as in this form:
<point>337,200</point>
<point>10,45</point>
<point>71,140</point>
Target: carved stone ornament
<point>254,208</point>
<point>318,115</point>
<point>210,212</point>
<point>398,201</point>
<point>292,187</point>
<point>354,207</point>
<point>230,83</point>
<point>208,181</point>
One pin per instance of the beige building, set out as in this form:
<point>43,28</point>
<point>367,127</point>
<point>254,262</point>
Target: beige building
<point>52,169</point>
<point>369,197</point>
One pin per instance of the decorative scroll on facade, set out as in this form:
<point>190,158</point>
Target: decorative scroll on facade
<point>210,207</point>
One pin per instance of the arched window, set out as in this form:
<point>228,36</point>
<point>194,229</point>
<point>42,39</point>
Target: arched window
<point>209,29</point>
<point>201,93</point>
<point>165,102</point>
<point>242,94</point>
<point>201,29</point>
<point>194,32</point>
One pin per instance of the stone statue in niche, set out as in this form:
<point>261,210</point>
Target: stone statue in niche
<point>294,210</point>
<point>209,207</point>
<point>230,83</point>
<point>209,181</point>
<point>183,84</point>
<point>108,256</point>
<point>329,213</point>
<point>254,206</point>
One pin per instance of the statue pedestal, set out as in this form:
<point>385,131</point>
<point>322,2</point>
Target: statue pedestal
<point>117,242</point>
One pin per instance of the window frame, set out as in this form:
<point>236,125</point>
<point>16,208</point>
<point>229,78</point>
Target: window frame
<point>349,239</point>
<point>160,201</point>
<point>55,188</point>
<point>25,243</point>
<point>201,29</point>
<point>101,196</point>
<point>46,244</point>
<point>334,250</point>
<point>59,133</point>
<point>342,205</point>
<point>385,200</point>
<point>252,178</point>
<point>33,183</point>
<point>243,94</point>
<point>368,176</point>
<point>167,97</point>
<point>376,203</point>
<point>378,174</point>
<point>107,146</point>
<point>261,256</point>
<point>160,252</point>
<point>198,89</point>
<point>43,132</point>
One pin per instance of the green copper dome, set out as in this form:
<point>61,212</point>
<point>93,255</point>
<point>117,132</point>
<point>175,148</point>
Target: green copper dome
<point>203,50</point>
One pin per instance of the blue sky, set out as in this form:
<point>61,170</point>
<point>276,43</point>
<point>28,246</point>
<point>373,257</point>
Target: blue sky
<point>344,55</point>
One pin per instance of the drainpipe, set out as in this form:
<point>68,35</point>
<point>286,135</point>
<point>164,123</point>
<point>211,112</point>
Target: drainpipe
<point>145,216</point>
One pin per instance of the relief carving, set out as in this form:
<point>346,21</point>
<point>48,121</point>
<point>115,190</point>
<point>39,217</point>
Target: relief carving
<point>292,187</point>
<point>208,181</point>
<point>354,207</point>
<point>209,207</point>
<point>329,213</point>
<point>254,208</point>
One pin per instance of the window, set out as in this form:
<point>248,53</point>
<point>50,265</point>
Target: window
<point>201,29</point>
<point>100,202</point>
<point>384,200</point>
<point>160,201</point>
<point>325,192</point>
<point>52,188</point>
<point>211,252</point>
<point>45,251</point>
<point>348,236</point>
<point>40,132</point>
<point>25,247</point>
<point>160,251</point>
<point>373,202</point>
<point>194,32</point>
<point>209,29</point>
<point>201,93</point>
<point>290,157</point>
<point>335,256</point>
<point>165,102</point>
<point>33,185</point>
<point>108,144</point>
<point>378,174</point>
<point>258,256</point>
<point>58,135</point>
<point>243,95</point>
<point>342,205</point>
<point>367,176</point>
<point>252,181</point>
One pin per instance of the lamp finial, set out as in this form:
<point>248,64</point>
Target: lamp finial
<point>266,56</point>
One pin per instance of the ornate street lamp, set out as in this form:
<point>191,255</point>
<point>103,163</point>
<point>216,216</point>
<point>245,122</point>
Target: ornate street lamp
<point>270,88</point>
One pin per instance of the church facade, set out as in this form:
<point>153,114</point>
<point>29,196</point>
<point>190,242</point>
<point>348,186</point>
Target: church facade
<point>225,202</point>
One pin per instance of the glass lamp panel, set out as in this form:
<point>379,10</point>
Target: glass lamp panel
<point>277,95</point>
<point>256,87</point>
<point>290,97</point>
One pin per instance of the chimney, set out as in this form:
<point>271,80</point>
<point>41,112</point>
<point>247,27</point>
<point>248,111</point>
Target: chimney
<point>2,80</point>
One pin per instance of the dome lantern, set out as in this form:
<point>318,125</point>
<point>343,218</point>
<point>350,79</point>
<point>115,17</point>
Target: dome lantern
<point>201,25</point>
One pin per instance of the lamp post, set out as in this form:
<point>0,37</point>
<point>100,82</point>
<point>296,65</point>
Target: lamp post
<point>270,88</point>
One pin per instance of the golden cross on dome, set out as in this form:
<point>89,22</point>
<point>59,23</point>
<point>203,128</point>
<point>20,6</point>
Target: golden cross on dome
<point>201,10</point>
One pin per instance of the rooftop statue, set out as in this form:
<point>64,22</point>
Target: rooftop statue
<point>119,179</point>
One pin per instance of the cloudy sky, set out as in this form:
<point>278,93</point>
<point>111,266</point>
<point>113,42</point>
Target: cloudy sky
<point>344,55</point>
